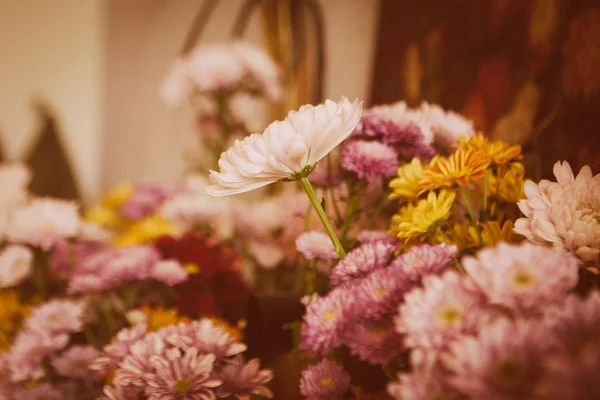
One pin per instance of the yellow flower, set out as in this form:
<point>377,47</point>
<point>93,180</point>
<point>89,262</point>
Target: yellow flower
<point>408,183</point>
<point>466,236</point>
<point>118,195</point>
<point>145,231</point>
<point>413,222</point>
<point>233,331</point>
<point>11,312</point>
<point>160,317</point>
<point>507,184</point>
<point>103,216</point>
<point>458,169</point>
<point>501,152</point>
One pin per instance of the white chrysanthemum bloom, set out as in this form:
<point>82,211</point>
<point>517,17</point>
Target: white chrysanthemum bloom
<point>564,213</point>
<point>287,149</point>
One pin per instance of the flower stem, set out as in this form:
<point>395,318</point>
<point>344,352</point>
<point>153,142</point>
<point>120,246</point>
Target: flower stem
<point>485,192</point>
<point>337,246</point>
<point>311,272</point>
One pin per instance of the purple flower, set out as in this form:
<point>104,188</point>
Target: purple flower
<point>119,347</point>
<point>424,260</point>
<point>242,380</point>
<point>362,261</point>
<point>374,341</point>
<point>523,277</point>
<point>144,201</point>
<point>369,160</point>
<point>170,272</point>
<point>43,391</point>
<point>57,316</point>
<point>445,308</point>
<point>365,237</point>
<point>326,319</point>
<point>315,246</point>
<point>75,362</point>
<point>325,380</point>
<point>381,292</point>
<point>506,360</point>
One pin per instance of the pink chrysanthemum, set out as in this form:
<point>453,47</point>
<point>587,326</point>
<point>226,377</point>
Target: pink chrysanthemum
<point>169,272</point>
<point>315,246</point>
<point>120,347</point>
<point>75,362</point>
<point>365,237</point>
<point>57,316</point>
<point>374,341</point>
<point>325,380</point>
<point>43,391</point>
<point>26,356</point>
<point>243,380</point>
<point>381,291</point>
<point>181,376</point>
<point>445,308</point>
<point>424,260</point>
<point>15,265</point>
<point>326,319</point>
<point>564,213</point>
<point>121,393</point>
<point>523,277</point>
<point>362,261</point>
<point>447,126</point>
<point>144,201</point>
<point>136,366</point>
<point>369,160</point>
<point>506,360</point>
<point>43,222</point>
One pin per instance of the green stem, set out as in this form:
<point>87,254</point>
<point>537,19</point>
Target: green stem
<point>465,196</point>
<point>458,266</point>
<point>337,246</point>
<point>485,192</point>
<point>353,204</point>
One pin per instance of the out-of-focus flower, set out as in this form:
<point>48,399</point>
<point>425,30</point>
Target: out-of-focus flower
<point>119,347</point>
<point>169,272</point>
<point>369,159</point>
<point>564,213</point>
<point>324,380</point>
<point>144,200</point>
<point>362,261</point>
<point>75,362</point>
<point>155,318</point>
<point>421,261</point>
<point>504,361</point>
<point>372,236</point>
<point>444,309</point>
<point>14,179</point>
<point>30,347</point>
<point>408,183</point>
<point>376,342</point>
<point>582,55</point>
<point>243,380</point>
<point>43,222</point>
<point>447,126</point>
<point>15,265</point>
<point>315,246</point>
<point>413,222</point>
<point>10,314</point>
<point>43,391</point>
<point>506,185</point>
<point>460,168</point>
<point>501,152</point>
<point>57,316</point>
<point>286,148</point>
<point>145,231</point>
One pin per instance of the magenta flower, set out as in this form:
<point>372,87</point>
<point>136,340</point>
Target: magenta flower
<point>315,246</point>
<point>375,342</point>
<point>119,347</point>
<point>444,309</point>
<point>506,360</point>
<point>381,292</point>
<point>424,260</point>
<point>325,380</point>
<point>43,391</point>
<point>170,272</point>
<point>523,277</point>
<point>75,362</point>
<point>243,380</point>
<point>369,160</point>
<point>362,261</point>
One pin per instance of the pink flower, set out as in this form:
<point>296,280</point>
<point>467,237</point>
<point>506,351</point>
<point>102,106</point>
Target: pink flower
<point>242,380</point>
<point>365,237</point>
<point>374,341</point>
<point>120,347</point>
<point>324,381</point>
<point>121,393</point>
<point>169,272</point>
<point>401,115</point>
<point>315,246</point>
<point>57,316</point>
<point>260,68</point>
<point>444,309</point>
<point>28,351</point>
<point>362,261</point>
<point>43,391</point>
<point>75,362</point>
<point>326,320</point>
<point>144,201</point>
<point>506,360</point>
<point>15,265</point>
<point>447,126</point>
<point>381,292</point>
<point>137,365</point>
<point>523,277</point>
<point>424,260</point>
<point>564,213</point>
<point>369,160</point>
<point>43,222</point>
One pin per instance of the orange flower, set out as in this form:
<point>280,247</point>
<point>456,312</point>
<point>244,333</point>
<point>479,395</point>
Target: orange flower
<point>458,169</point>
<point>501,152</point>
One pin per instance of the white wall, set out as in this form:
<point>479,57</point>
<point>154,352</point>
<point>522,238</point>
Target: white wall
<point>54,50</point>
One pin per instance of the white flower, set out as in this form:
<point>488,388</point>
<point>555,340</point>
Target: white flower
<point>564,213</point>
<point>285,148</point>
<point>315,246</point>
<point>15,265</point>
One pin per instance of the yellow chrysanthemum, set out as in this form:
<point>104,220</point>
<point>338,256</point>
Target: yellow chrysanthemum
<point>413,222</point>
<point>118,195</point>
<point>408,183</point>
<point>501,152</point>
<point>103,216</point>
<point>465,236</point>
<point>458,169</point>
<point>507,184</point>
<point>158,317</point>
<point>145,231</point>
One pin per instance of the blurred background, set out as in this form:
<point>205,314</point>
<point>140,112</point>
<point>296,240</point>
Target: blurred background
<point>80,80</point>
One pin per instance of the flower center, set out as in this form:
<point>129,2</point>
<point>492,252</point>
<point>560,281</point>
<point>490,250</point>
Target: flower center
<point>379,292</point>
<point>329,315</point>
<point>523,279</point>
<point>450,316</point>
<point>81,365</point>
<point>510,374</point>
<point>415,262</point>
<point>326,381</point>
<point>182,385</point>
<point>191,268</point>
